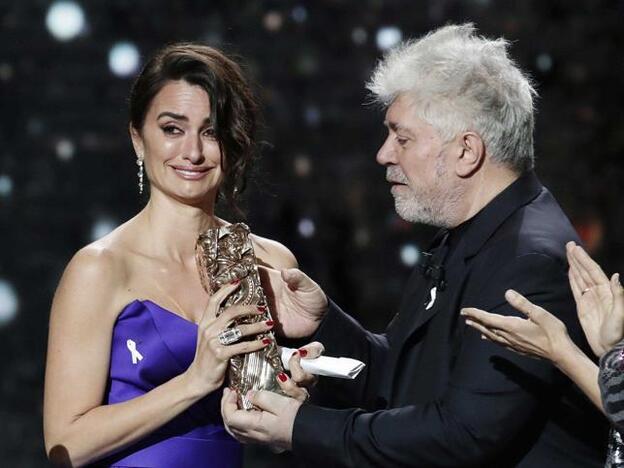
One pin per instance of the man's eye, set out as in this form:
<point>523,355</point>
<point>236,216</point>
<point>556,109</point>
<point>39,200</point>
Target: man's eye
<point>401,141</point>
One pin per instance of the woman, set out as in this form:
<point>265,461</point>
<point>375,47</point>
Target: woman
<point>600,308</point>
<point>135,368</point>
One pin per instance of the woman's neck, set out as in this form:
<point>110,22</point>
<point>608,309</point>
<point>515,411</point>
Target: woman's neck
<point>171,228</point>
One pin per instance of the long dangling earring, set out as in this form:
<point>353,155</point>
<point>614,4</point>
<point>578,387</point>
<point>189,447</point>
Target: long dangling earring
<point>139,162</point>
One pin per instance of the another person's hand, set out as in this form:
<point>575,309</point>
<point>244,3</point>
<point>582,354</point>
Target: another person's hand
<point>298,302</point>
<point>271,424</point>
<point>297,386</point>
<point>599,301</point>
<point>207,371</point>
<point>541,335</point>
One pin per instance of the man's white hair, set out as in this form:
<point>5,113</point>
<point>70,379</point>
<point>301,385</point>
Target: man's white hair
<point>459,82</point>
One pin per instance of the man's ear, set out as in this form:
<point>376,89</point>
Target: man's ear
<point>137,141</point>
<point>472,154</point>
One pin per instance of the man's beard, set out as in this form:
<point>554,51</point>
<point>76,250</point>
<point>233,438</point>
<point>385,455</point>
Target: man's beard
<point>435,205</point>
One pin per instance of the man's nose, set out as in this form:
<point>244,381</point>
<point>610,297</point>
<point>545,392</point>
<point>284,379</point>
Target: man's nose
<point>386,154</point>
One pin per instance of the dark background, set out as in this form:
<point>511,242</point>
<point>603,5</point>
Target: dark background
<point>67,171</point>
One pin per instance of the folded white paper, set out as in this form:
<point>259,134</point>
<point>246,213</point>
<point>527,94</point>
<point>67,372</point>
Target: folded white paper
<point>341,367</point>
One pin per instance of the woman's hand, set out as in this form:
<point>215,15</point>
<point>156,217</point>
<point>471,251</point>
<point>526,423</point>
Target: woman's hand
<point>599,301</point>
<point>541,335</point>
<point>207,371</point>
<point>297,386</point>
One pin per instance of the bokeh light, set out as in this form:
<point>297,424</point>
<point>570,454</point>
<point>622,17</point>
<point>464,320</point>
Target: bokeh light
<point>124,59</point>
<point>65,20</point>
<point>388,37</point>
<point>410,254</point>
<point>8,302</point>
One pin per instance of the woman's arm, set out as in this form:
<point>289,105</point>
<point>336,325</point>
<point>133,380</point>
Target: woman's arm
<point>610,382</point>
<point>541,335</point>
<point>78,428</point>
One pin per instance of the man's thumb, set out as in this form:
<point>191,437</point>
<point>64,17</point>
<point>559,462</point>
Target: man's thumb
<point>292,277</point>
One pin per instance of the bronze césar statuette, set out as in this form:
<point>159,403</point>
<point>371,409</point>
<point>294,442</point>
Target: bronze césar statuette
<point>225,254</point>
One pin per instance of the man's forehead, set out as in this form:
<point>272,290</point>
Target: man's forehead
<point>401,115</point>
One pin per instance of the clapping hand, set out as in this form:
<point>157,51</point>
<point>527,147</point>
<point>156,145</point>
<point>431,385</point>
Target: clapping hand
<point>599,301</point>
<point>540,335</point>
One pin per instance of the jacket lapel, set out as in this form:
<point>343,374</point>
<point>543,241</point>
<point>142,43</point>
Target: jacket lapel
<point>417,307</point>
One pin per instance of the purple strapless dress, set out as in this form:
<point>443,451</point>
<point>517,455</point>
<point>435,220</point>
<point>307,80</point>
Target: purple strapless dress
<point>150,346</point>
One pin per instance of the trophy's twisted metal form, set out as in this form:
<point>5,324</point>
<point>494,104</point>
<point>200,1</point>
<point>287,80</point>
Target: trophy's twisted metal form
<point>223,255</point>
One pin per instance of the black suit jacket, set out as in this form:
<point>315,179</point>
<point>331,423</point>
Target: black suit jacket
<point>433,392</point>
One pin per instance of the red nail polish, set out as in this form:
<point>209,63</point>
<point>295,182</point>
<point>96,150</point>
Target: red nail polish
<point>236,281</point>
<point>283,377</point>
<point>269,323</point>
<point>303,352</point>
<point>262,308</point>
<point>266,341</point>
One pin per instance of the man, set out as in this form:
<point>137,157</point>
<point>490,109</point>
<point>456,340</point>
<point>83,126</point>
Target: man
<point>459,155</point>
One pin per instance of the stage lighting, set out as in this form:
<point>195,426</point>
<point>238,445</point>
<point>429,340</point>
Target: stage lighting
<point>6,72</point>
<point>312,115</point>
<point>302,165</point>
<point>409,255</point>
<point>273,21</point>
<point>306,228</point>
<point>101,227</point>
<point>65,20</point>
<point>65,149</point>
<point>123,59</point>
<point>359,35</point>
<point>6,186</point>
<point>388,37</point>
<point>8,302</point>
<point>544,62</point>
<point>299,14</point>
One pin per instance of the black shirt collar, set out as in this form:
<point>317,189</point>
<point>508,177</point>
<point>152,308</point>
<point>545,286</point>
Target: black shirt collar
<point>475,232</point>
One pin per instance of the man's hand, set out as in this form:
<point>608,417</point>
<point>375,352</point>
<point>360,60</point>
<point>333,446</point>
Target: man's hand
<point>272,424</point>
<point>298,302</point>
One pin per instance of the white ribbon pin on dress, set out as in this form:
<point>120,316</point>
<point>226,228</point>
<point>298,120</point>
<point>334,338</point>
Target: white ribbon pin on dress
<point>136,356</point>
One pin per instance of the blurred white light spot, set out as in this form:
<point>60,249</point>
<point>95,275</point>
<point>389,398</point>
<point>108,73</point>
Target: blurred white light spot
<point>8,302</point>
<point>34,126</point>
<point>302,165</point>
<point>101,227</point>
<point>544,62</point>
<point>123,59</point>
<point>312,115</point>
<point>299,14</point>
<point>306,228</point>
<point>409,254</point>
<point>362,237</point>
<point>65,149</point>
<point>6,72</point>
<point>6,185</point>
<point>273,21</point>
<point>65,20</point>
<point>359,35</point>
<point>388,37</point>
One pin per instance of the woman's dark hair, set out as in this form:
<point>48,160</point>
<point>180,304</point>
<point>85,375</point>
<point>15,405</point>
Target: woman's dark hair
<point>234,110</point>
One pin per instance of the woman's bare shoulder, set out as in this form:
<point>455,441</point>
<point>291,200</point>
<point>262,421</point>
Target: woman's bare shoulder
<point>97,273</point>
<point>273,254</point>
